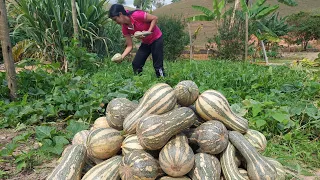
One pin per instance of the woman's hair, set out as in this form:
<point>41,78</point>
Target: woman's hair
<point>115,10</point>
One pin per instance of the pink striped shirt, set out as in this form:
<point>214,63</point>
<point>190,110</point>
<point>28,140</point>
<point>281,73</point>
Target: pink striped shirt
<point>138,19</point>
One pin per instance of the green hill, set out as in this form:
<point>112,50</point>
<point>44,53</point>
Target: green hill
<point>184,9</point>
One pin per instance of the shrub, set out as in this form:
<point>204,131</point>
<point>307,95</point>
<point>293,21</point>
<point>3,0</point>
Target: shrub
<point>231,41</point>
<point>174,36</point>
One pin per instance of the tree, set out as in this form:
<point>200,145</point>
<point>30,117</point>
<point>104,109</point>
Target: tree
<point>158,3</point>
<point>173,1</point>
<point>143,4</point>
<point>7,51</point>
<point>121,2</point>
<point>207,14</point>
<point>74,19</point>
<point>305,27</point>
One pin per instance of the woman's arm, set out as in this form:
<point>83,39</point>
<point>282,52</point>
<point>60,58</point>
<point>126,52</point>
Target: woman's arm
<point>153,21</point>
<point>128,48</point>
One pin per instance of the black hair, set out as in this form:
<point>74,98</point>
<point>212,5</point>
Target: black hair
<point>115,10</point>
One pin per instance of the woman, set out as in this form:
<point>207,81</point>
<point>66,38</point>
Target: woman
<point>138,20</point>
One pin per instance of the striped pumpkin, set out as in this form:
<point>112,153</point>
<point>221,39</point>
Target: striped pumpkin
<point>176,158</point>
<point>108,169</point>
<point>212,105</point>
<point>100,122</point>
<point>244,173</point>
<point>281,172</point>
<point>80,137</point>
<point>206,167</point>
<point>229,165</point>
<point>257,139</point>
<point>139,165</point>
<point>212,137</point>
<point>199,119</point>
<point>187,92</point>
<point>130,143</point>
<point>103,143</point>
<point>258,167</point>
<point>117,110</point>
<point>71,164</point>
<point>174,178</point>
<point>159,99</point>
<point>154,131</point>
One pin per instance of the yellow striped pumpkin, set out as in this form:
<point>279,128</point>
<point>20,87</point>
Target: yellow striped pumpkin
<point>176,158</point>
<point>206,167</point>
<point>229,165</point>
<point>212,105</point>
<point>108,169</point>
<point>187,92</point>
<point>103,143</point>
<point>100,122</point>
<point>154,131</point>
<point>71,164</point>
<point>257,139</point>
<point>139,165</point>
<point>159,99</point>
<point>258,167</point>
<point>117,110</point>
<point>130,143</point>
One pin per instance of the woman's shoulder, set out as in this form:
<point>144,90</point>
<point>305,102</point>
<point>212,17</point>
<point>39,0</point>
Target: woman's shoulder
<point>138,14</point>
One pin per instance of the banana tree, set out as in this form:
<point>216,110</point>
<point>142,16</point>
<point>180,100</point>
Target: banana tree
<point>207,14</point>
<point>257,14</point>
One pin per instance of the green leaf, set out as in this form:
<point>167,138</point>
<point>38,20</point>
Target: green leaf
<point>204,10</point>
<point>256,109</point>
<point>21,165</point>
<point>8,150</point>
<point>200,17</point>
<point>60,140</point>
<point>280,117</point>
<point>237,109</point>
<point>288,2</point>
<point>287,137</point>
<point>43,132</point>
<point>260,123</point>
<point>75,126</point>
<point>22,137</point>
<point>265,12</point>
<point>244,6</point>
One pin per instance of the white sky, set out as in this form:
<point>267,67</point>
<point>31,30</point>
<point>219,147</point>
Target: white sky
<point>130,2</point>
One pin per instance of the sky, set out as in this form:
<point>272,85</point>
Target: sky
<point>130,2</point>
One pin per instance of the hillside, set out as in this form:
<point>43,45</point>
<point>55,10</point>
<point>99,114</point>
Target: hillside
<point>184,9</point>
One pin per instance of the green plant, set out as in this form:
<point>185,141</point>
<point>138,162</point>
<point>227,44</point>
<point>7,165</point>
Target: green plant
<point>175,39</point>
<point>78,58</point>
<point>48,23</point>
<point>230,41</point>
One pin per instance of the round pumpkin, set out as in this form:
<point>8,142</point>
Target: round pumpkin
<point>103,143</point>
<point>80,137</point>
<point>100,122</point>
<point>187,92</point>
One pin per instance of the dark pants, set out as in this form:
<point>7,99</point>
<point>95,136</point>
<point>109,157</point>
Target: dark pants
<point>156,49</point>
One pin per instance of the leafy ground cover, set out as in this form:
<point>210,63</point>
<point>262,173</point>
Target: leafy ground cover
<point>280,102</point>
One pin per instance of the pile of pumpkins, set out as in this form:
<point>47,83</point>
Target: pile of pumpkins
<point>173,133</point>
